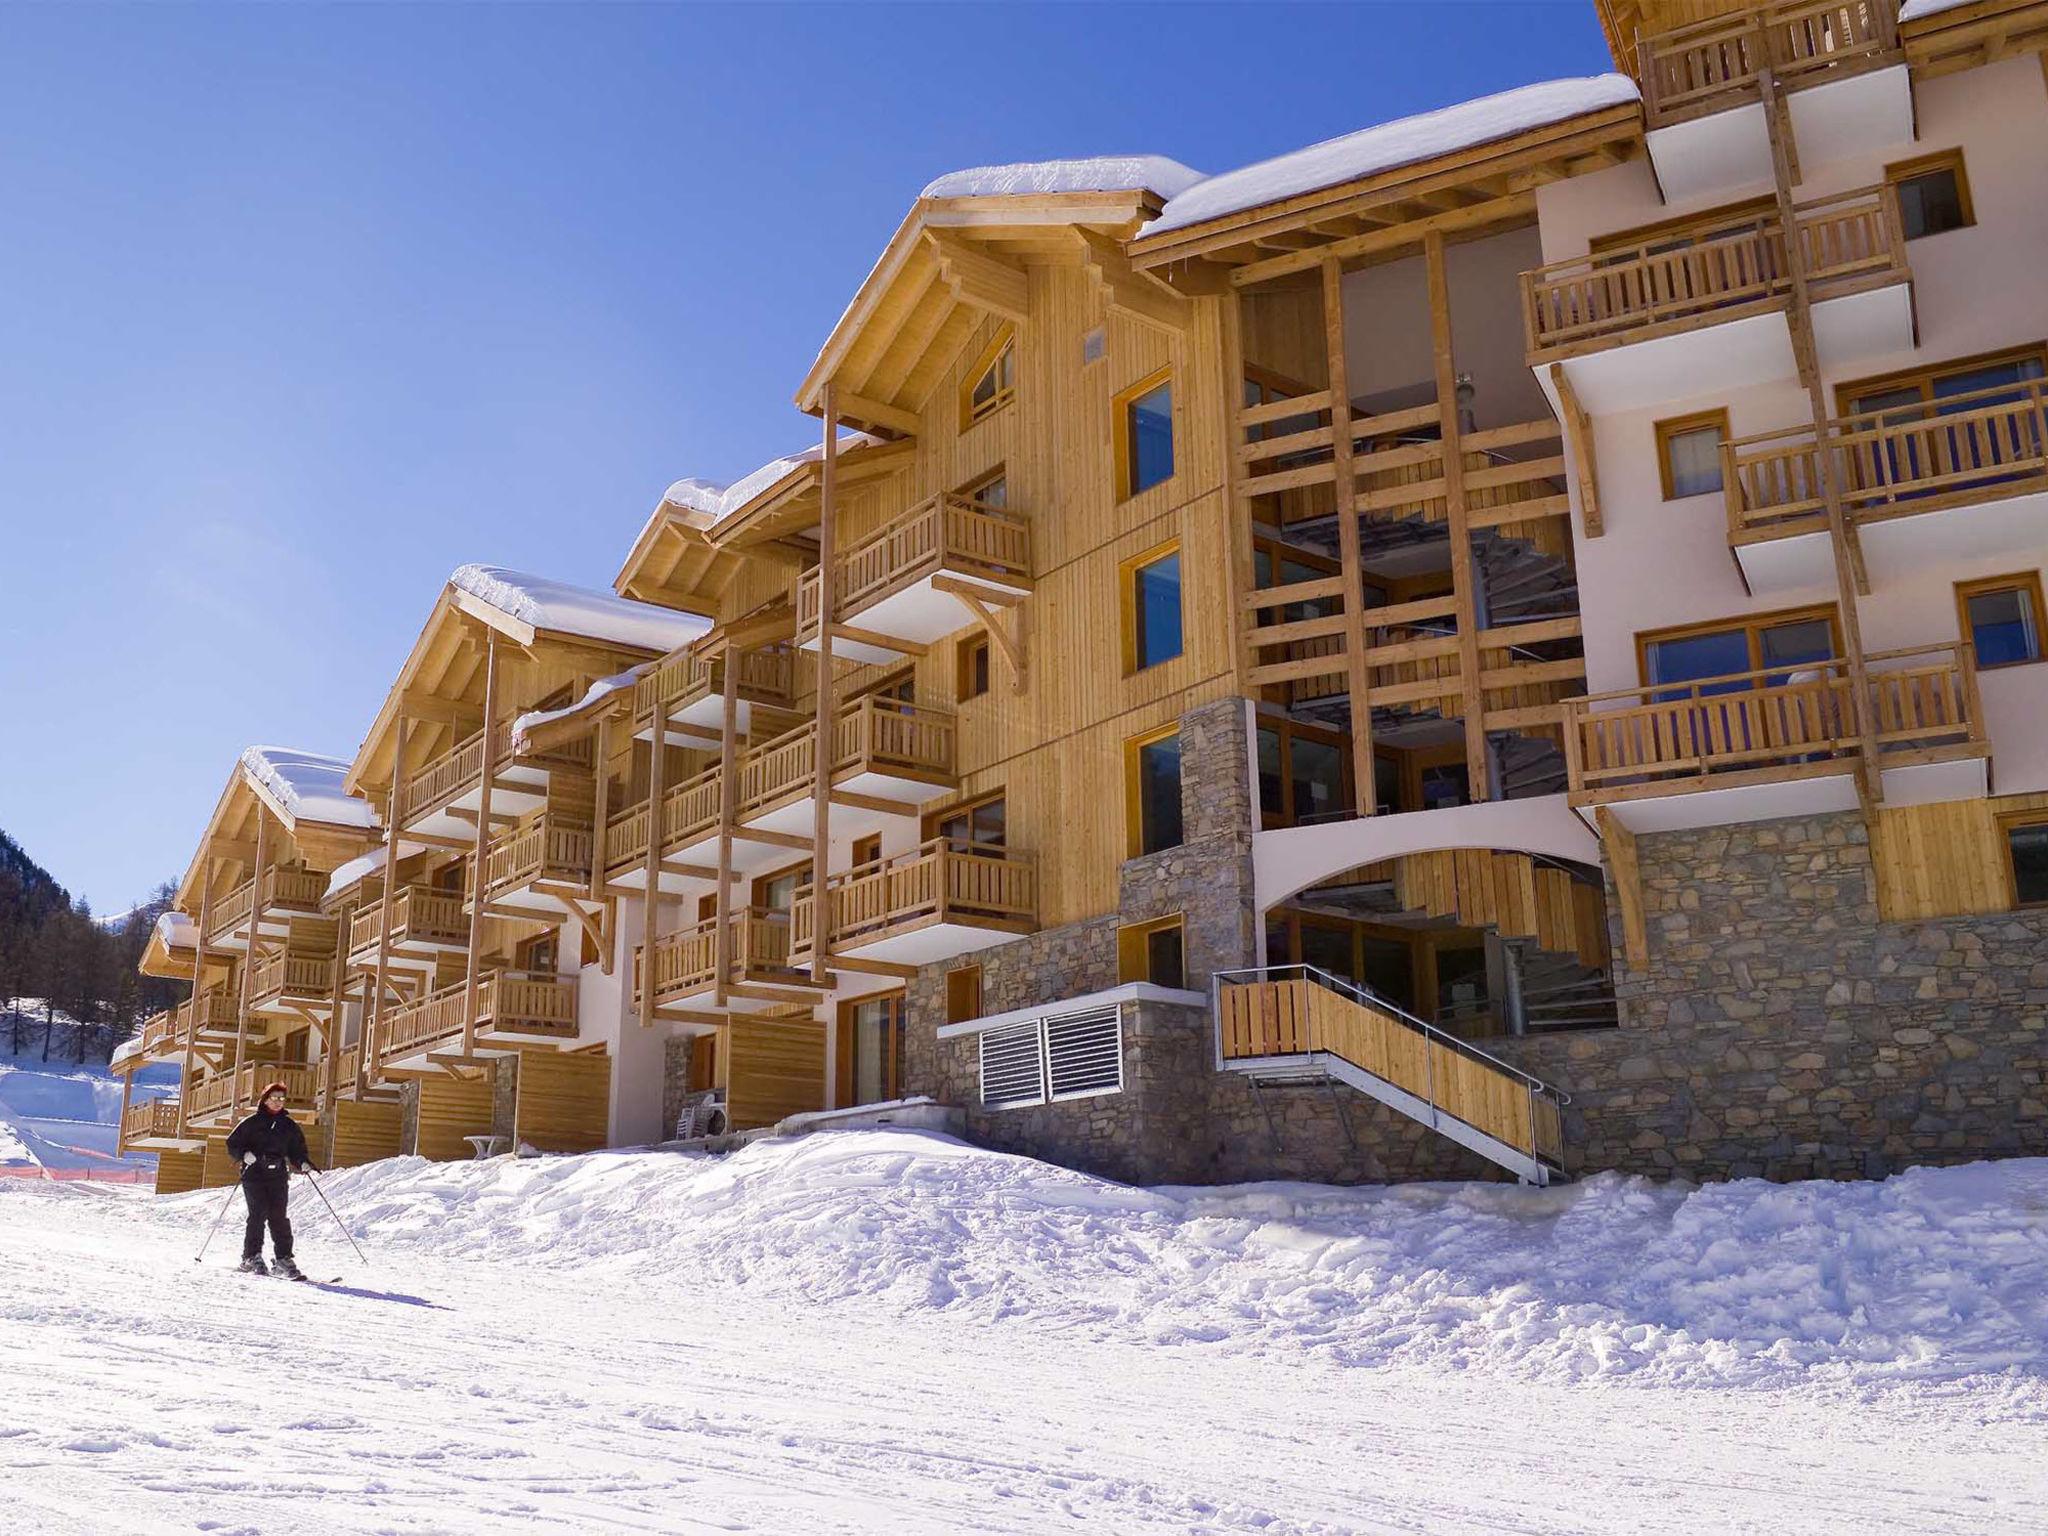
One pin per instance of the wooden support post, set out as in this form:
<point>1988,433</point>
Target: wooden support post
<point>1358,675</point>
<point>1578,440</point>
<point>1241,577</point>
<point>1850,577</point>
<point>728,798</point>
<point>373,1025</point>
<point>601,813</point>
<point>198,981</point>
<point>121,1122</point>
<point>1450,430</point>
<point>483,839</point>
<point>1619,844</point>
<point>650,926</point>
<point>330,1033</point>
<point>255,932</point>
<point>821,748</point>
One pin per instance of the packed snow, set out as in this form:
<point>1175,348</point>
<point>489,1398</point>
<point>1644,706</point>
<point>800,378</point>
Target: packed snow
<point>1919,10</point>
<point>714,502</point>
<point>175,930</point>
<point>869,1331</point>
<point>306,786</point>
<point>597,692</point>
<point>1388,146</point>
<point>1098,173</point>
<point>543,604</point>
<point>64,1115</point>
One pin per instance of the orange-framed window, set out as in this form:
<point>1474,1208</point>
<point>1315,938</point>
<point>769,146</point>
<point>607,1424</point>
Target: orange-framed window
<point>1150,597</point>
<point>1934,193</point>
<point>992,380</point>
<point>1155,951</point>
<point>1152,810</point>
<point>1144,438</point>
<point>1689,453</point>
<point>2001,617</point>
<point>1791,639</point>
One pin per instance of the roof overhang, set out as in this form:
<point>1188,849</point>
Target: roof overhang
<point>1966,36</point>
<point>1471,189</point>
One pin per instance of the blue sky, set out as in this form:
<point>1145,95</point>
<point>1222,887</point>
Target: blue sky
<point>301,307</point>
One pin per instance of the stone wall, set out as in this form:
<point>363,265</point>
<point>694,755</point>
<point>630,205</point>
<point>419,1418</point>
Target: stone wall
<point>1781,1030</point>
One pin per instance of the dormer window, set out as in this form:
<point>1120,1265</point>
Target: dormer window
<point>992,381</point>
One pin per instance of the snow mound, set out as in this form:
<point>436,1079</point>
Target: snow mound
<point>542,603</point>
<point>1936,1274</point>
<point>712,501</point>
<point>1387,146</point>
<point>1099,173</point>
<point>307,786</point>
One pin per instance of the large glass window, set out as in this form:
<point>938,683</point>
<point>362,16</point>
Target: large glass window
<point>1145,434</point>
<point>1791,641</point>
<point>1154,794</point>
<point>871,1050</point>
<point>1152,617</point>
<point>983,825</point>
<point>2026,844</point>
<point>1934,197</point>
<point>1304,774</point>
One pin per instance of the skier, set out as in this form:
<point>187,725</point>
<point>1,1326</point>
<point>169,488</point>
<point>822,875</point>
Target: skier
<point>271,1147</point>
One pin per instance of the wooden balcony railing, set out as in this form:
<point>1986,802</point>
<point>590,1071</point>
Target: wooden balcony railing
<point>942,533</point>
<point>230,915</point>
<point>455,772</point>
<point>1712,65</point>
<point>306,977</point>
<point>1893,462</point>
<point>687,961</point>
<point>546,848</point>
<point>1672,737</point>
<point>217,1014</point>
<point>345,1061</point>
<point>688,811</point>
<point>235,1091</point>
<point>938,882</point>
<point>506,1001</point>
<point>1725,271</point>
<point>870,735</point>
<point>160,1031</point>
<point>766,676</point>
<point>152,1119</point>
<point>293,889</point>
<point>419,915</point>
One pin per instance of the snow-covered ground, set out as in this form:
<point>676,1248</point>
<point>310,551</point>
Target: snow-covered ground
<point>65,1115</point>
<point>881,1331</point>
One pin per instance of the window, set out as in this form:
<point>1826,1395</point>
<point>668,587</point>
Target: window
<point>540,955</point>
<point>778,890</point>
<point>1443,785</point>
<point>1151,604</point>
<point>869,1058</point>
<point>1153,952</point>
<point>1790,640</point>
<point>1304,774</point>
<point>1910,394</point>
<point>449,878</point>
<point>1263,387</point>
<point>991,490</point>
<point>1144,434</point>
<point>970,667</point>
<point>1152,792</point>
<point>867,850</point>
<point>1689,454</point>
<point>963,994</point>
<point>2001,616</point>
<point>992,381</point>
<point>1063,1056</point>
<point>1934,195</point>
<point>983,824</point>
<point>1687,230</point>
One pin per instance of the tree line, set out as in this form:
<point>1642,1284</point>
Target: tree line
<point>68,983</point>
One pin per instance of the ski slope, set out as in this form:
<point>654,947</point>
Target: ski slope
<point>882,1331</point>
<point>65,1115</point>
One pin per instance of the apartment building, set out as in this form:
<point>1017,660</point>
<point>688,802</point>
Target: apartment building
<point>1502,644</point>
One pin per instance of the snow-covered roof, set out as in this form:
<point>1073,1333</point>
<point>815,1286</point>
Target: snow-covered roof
<point>348,874</point>
<point>174,930</point>
<point>307,786</point>
<point>603,688</point>
<point>1388,146</point>
<point>541,603</point>
<point>1917,10</point>
<point>713,501</point>
<point>1099,173</point>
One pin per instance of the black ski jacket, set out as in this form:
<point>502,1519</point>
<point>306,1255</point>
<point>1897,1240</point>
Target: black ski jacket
<point>276,1140</point>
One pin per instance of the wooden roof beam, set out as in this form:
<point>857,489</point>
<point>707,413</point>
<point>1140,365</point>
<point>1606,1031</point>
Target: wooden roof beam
<point>871,415</point>
<point>979,279</point>
<point>1137,294</point>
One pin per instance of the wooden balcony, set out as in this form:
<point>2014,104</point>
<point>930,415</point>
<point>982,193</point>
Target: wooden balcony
<point>1917,481</point>
<point>689,820</point>
<point>888,758</point>
<point>512,1009</point>
<point>935,902</point>
<point>688,692</point>
<point>760,972</point>
<point>424,923</point>
<point>892,586</point>
<point>162,1035</point>
<point>1767,730</point>
<point>292,984</point>
<point>151,1123</point>
<point>545,851</point>
<point>224,1098</point>
<point>1692,297</point>
<point>1711,66</point>
<point>345,1060</point>
<point>453,782</point>
<point>287,892</point>
<point>218,1017</point>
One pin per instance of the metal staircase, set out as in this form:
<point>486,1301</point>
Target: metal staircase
<point>1295,1022</point>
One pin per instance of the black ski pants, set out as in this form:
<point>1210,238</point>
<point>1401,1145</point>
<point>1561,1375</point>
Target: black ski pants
<point>266,1194</point>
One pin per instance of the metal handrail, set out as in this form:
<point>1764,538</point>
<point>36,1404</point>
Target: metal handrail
<point>1371,999</point>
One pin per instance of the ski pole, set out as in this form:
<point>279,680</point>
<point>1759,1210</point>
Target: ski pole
<point>336,1215</point>
<point>223,1216</point>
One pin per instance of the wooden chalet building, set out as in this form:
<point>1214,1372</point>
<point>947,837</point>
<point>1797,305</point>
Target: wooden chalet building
<point>1506,643</point>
